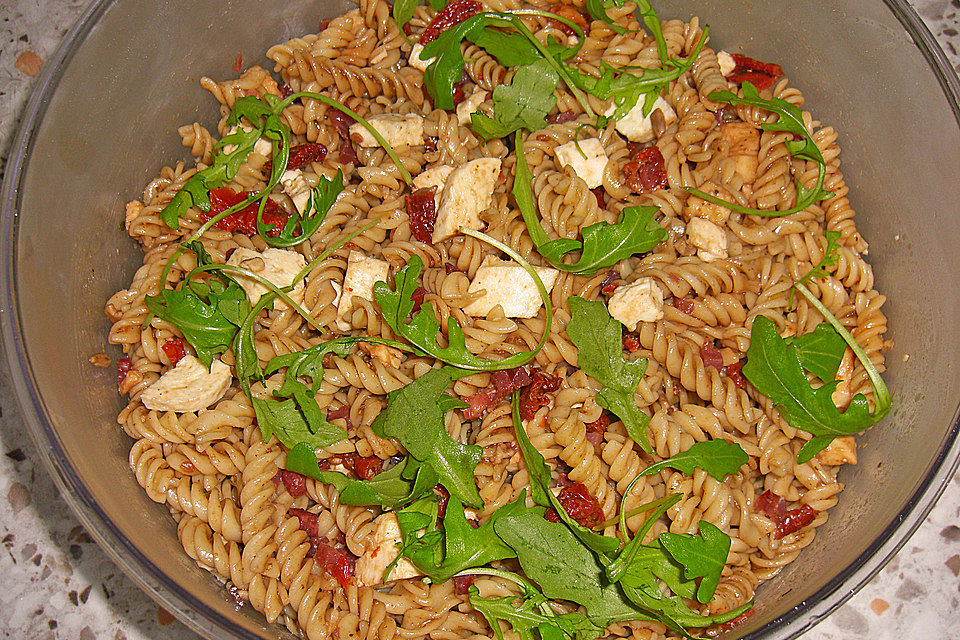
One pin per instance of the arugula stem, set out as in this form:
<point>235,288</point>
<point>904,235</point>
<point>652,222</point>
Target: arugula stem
<point>548,306</point>
<point>882,400</point>
<point>633,512</point>
<point>339,106</point>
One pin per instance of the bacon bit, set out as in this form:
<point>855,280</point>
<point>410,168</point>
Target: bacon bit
<point>646,171</point>
<point>347,155</point>
<point>444,496</point>
<point>294,483</point>
<point>576,500</point>
<point>480,403</point>
<point>631,342</point>
<point>535,396</point>
<point>417,298</point>
<point>309,522</point>
<point>303,154</point>
<point>174,348</point>
<point>561,117</point>
<point>772,506</point>
<point>453,14</point>
<point>599,425</point>
<point>711,356</point>
<point>341,121</point>
<point>366,467</point>
<point>341,413</point>
<point>337,562</point>
<point>571,14</point>
<point>422,211</point>
<point>601,197</point>
<point>245,220</point>
<point>610,284</point>
<point>762,74</point>
<point>684,305</point>
<point>462,584</point>
<point>795,520</point>
<point>502,384</point>
<point>449,268</point>
<point>238,63</point>
<point>733,372</point>
<point>124,365</point>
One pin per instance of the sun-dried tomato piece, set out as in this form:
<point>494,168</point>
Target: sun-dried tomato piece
<point>417,297</point>
<point>337,562</point>
<point>571,14</point>
<point>610,282</point>
<point>535,395</point>
<point>449,267</point>
<point>772,506</point>
<point>462,584</point>
<point>347,155</point>
<point>453,14</point>
<point>366,467</point>
<point>294,483</point>
<point>599,425</point>
<point>422,211</point>
<point>561,117</point>
<point>341,121</point>
<point>124,365</point>
<point>245,220</point>
<point>726,626</point>
<point>646,171</point>
<point>576,500</point>
<point>502,384</point>
<point>684,305</point>
<point>761,74</point>
<point>711,356</point>
<point>795,520</point>
<point>174,348</point>
<point>303,154</point>
<point>309,522</point>
<point>238,63</point>
<point>631,342</point>
<point>734,372</point>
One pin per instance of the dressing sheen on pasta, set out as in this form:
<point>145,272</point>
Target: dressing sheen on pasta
<point>476,317</point>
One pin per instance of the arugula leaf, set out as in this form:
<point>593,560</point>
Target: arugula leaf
<point>820,351</point>
<point>790,121</point>
<point>447,69</point>
<point>400,484</point>
<point>673,612</point>
<point>414,416</point>
<point>718,458</point>
<point>598,11</point>
<point>774,368</point>
<point>321,199</point>
<point>461,546</point>
<point>292,421</point>
<point>526,616</point>
<point>524,104</point>
<point>206,313</point>
<point>598,338</point>
<point>603,244</point>
<point>830,256</point>
<point>702,556</point>
<point>403,11</point>
<point>509,48</point>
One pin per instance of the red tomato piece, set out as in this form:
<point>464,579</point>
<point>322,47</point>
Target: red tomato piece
<point>711,356</point>
<point>535,395</point>
<point>734,372</point>
<point>794,520</point>
<point>422,211</point>
<point>174,348</point>
<point>245,220</point>
<point>646,171</point>
<point>453,14</point>
<point>576,500</point>
<point>124,365</point>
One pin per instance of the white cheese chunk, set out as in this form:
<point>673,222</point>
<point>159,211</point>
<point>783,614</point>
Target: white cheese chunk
<point>416,59</point>
<point>188,386</point>
<point>386,547</point>
<point>638,127</point>
<point>362,273</point>
<point>636,302</point>
<point>279,266</point>
<point>589,165</point>
<point>708,238</point>
<point>295,186</point>
<point>467,191</point>
<point>435,177</point>
<point>262,146</point>
<point>397,130</point>
<point>727,64</point>
<point>509,285</point>
<point>468,106</point>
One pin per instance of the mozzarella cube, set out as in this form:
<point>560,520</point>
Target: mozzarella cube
<point>262,146</point>
<point>708,238</point>
<point>636,302</point>
<point>743,145</point>
<point>467,191</point>
<point>188,386</point>
<point>638,127</point>
<point>435,177</point>
<point>842,450</point>
<point>386,547</point>
<point>696,207</point>
<point>279,266</point>
<point>727,63</point>
<point>509,285</point>
<point>362,273</point>
<point>589,164</point>
<point>468,106</point>
<point>295,186</point>
<point>397,130</point>
<point>416,59</point>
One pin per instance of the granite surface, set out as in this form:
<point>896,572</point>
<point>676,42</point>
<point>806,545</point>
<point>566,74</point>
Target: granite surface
<point>59,584</point>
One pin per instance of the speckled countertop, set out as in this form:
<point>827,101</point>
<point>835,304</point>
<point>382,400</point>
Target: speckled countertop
<point>59,584</point>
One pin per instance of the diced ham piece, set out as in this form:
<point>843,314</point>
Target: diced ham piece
<point>711,356</point>
<point>308,521</point>
<point>502,384</point>
<point>294,483</point>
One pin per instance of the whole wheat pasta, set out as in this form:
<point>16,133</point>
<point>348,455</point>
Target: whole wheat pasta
<point>305,552</point>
